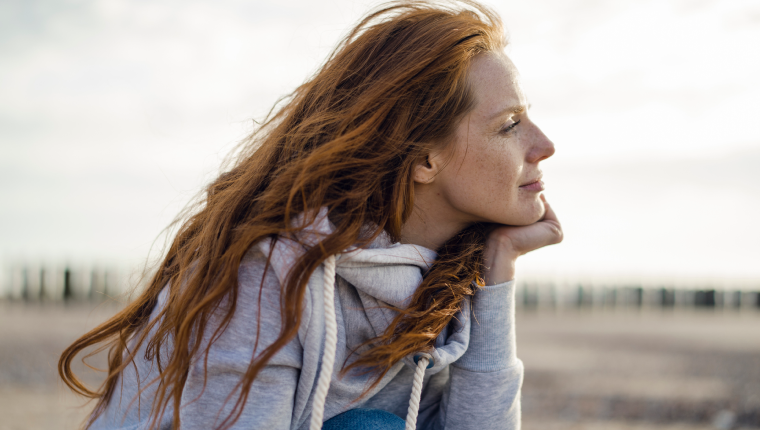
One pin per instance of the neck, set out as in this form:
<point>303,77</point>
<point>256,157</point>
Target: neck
<point>430,225</point>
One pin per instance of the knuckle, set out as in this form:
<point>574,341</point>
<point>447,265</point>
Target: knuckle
<point>558,234</point>
<point>505,241</point>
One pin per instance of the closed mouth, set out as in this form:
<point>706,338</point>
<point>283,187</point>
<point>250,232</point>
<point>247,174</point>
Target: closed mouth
<point>532,181</point>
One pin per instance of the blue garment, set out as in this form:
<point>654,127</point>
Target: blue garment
<point>364,419</point>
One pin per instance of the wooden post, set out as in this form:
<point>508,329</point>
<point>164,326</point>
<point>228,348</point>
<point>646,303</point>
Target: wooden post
<point>705,298</point>
<point>67,284</point>
<point>736,299</point>
<point>581,297</point>
<point>42,292</point>
<point>667,298</point>
<point>638,296</point>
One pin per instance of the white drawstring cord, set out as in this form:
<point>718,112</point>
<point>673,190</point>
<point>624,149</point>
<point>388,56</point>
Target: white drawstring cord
<point>331,340</point>
<point>414,400</point>
<point>328,359</point>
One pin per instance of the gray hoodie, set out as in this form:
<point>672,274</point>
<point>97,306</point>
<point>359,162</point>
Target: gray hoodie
<point>474,381</point>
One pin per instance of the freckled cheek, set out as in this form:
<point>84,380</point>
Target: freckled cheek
<point>498,171</point>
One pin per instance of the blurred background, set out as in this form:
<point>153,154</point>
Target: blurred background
<point>114,114</point>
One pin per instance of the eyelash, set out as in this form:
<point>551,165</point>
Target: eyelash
<point>510,127</point>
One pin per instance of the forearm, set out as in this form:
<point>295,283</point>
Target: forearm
<point>485,383</point>
<point>489,400</point>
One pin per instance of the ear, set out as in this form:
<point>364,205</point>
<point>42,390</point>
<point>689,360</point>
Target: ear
<point>427,169</point>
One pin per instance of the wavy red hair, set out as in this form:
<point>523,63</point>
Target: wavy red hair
<point>347,139</point>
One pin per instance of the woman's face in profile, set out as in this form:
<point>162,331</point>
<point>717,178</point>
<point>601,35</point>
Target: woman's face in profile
<point>493,173</point>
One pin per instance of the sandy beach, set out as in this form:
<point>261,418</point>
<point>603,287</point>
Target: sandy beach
<point>592,369</point>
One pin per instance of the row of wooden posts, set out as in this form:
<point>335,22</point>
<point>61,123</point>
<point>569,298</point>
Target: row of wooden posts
<point>62,283</point>
<point>65,283</point>
<point>542,295</point>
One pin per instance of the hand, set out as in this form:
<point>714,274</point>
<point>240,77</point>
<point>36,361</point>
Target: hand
<point>506,243</point>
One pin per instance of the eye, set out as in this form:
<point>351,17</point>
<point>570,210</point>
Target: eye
<point>510,127</point>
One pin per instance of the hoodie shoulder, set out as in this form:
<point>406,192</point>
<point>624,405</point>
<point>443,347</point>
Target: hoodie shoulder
<point>260,285</point>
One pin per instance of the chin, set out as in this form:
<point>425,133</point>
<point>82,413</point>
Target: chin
<point>527,213</point>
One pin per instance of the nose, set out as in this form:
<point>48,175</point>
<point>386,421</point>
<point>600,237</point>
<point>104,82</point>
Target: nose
<point>541,147</point>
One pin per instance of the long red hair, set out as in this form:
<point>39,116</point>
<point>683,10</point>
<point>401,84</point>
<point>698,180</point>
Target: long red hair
<point>347,139</point>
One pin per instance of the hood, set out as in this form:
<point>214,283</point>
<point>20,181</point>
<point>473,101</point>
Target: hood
<point>384,271</point>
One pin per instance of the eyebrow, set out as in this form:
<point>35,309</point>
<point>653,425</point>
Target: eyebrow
<point>511,109</point>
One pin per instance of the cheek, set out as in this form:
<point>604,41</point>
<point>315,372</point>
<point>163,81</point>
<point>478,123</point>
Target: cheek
<point>482,180</point>
<point>500,170</point>
<point>487,180</point>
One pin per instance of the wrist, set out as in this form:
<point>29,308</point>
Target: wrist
<point>499,264</point>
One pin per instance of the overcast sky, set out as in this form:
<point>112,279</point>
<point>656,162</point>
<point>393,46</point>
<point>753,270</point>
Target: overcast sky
<point>113,114</point>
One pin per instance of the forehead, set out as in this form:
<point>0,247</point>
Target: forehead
<point>496,85</point>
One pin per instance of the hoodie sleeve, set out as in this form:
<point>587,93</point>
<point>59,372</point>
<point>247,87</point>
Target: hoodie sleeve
<point>206,402</point>
<point>484,386</point>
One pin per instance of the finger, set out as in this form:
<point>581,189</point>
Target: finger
<point>554,233</point>
<point>551,222</point>
<point>549,214</point>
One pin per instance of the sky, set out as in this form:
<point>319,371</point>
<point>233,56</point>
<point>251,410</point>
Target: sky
<point>114,114</point>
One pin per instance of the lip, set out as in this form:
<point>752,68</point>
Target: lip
<point>536,186</point>
<point>539,176</point>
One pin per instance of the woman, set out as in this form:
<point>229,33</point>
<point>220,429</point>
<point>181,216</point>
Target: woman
<point>356,264</point>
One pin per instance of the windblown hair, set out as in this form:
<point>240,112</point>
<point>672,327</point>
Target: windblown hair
<point>348,139</point>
